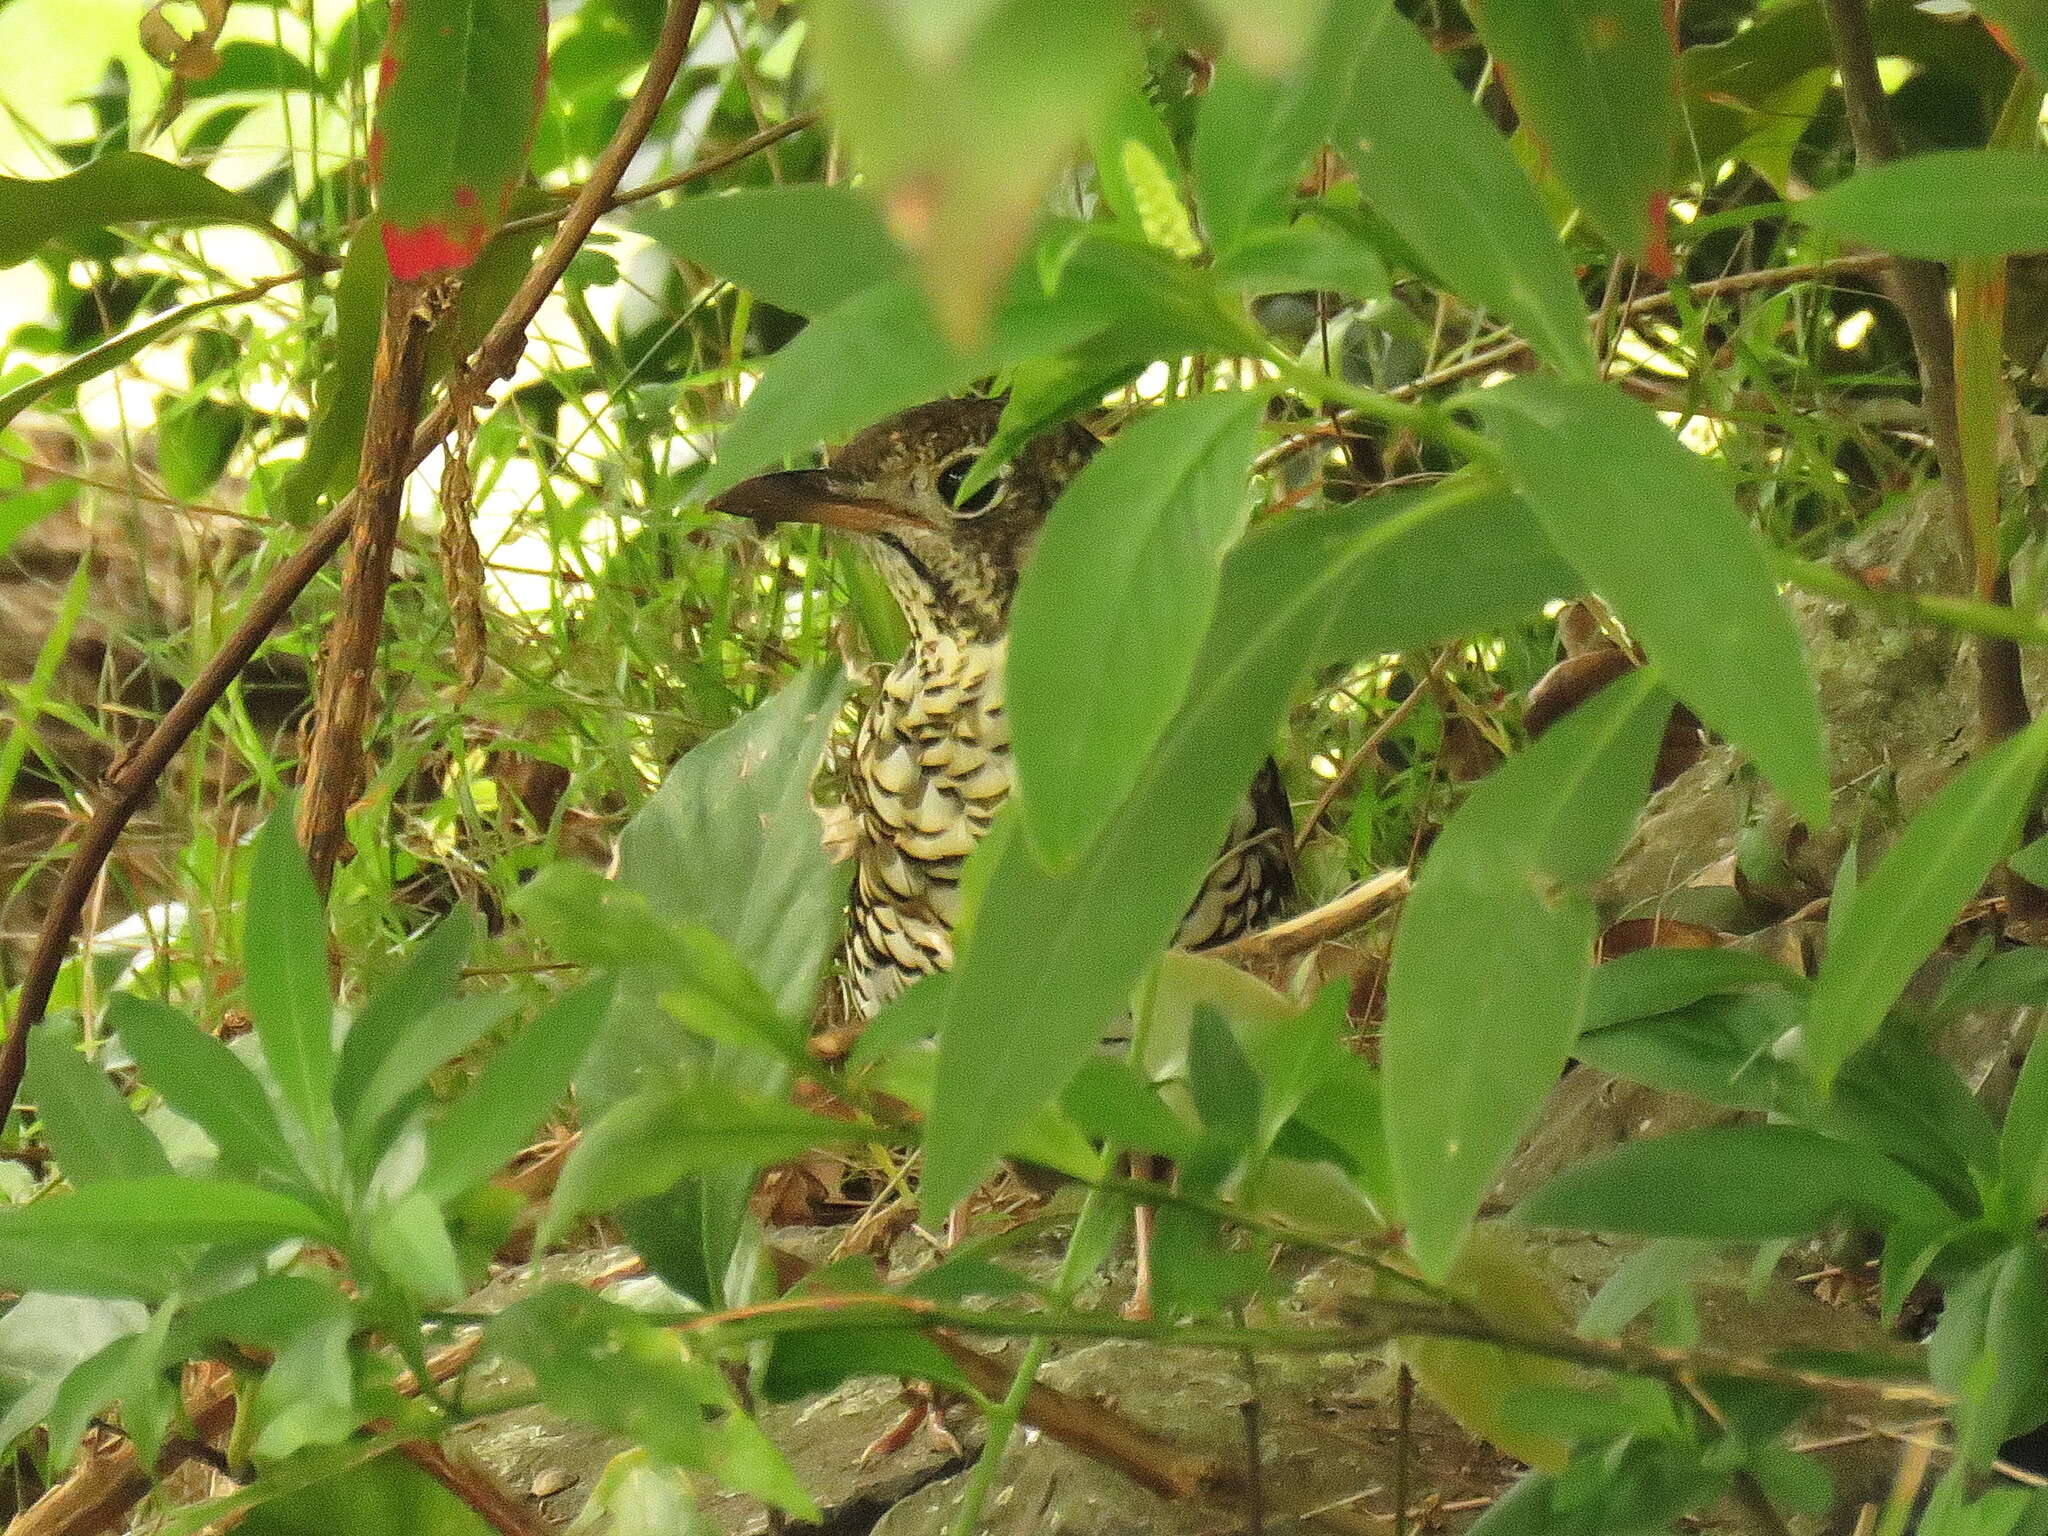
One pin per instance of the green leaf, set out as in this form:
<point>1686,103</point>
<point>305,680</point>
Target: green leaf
<point>1716,1049</point>
<point>341,394</point>
<point>1905,908</point>
<point>1595,84</point>
<point>410,1241</point>
<point>1398,572</point>
<point>1131,119</point>
<point>1252,133</point>
<point>117,188</point>
<point>804,248</point>
<point>963,118</point>
<point>201,1079</point>
<point>1311,253</point>
<point>90,1265</point>
<point>400,1080</point>
<point>489,1125</point>
<point>195,439</point>
<point>600,1364</point>
<point>1989,1350</point>
<point>284,952</point>
<point>1945,205</point>
<point>1652,981</point>
<point>1734,1184</point>
<point>166,1209</point>
<point>307,1397</point>
<point>130,1370</point>
<point>425,982</point>
<point>1493,955</point>
<point>1654,530</point>
<point>86,1119</point>
<point>2023,1141</point>
<point>1432,165</point>
<point>461,88</point>
<point>730,841</point>
<point>670,1131</point>
<point>109,354</point>
<point>1112,609</point>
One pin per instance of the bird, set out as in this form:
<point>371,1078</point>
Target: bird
<point>932,762</point>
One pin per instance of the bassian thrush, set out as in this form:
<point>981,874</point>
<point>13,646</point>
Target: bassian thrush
<point>932,759</point>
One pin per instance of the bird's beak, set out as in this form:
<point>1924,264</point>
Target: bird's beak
<point>812,496</point>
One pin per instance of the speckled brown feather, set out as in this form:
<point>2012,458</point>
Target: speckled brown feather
<point>932,762</point>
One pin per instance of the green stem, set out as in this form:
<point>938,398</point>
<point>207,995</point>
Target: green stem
<point>1958,613</point>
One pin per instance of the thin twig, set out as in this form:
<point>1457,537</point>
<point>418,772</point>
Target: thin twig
<point>1921,291</point>
<point>1298,935</point>
<point>133,779</point>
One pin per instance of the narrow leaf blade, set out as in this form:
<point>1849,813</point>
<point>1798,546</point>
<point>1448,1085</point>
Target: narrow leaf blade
<point>284,953</point>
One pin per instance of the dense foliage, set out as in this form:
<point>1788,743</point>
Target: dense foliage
<point>1412,331</point>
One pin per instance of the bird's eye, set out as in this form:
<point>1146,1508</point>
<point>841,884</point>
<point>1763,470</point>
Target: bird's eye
<point>954,475</point>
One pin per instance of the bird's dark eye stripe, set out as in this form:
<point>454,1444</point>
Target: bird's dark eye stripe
<point>954,475</point>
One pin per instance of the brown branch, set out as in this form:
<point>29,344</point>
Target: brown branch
<point>131,780</point>
<point>1334,918</point>
<point>475,1487</point>
<point>1920,289</point>
<point>348,664</point>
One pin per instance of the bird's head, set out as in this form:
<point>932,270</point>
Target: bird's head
<point>952,561</point>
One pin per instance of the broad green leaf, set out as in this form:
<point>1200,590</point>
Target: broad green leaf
<point>603,1365</point>
<point>165,1209</point>
<point>425,982</point>
<point>1716,1050</point>
<point>130,1370</point>
<point>195,438</point>
<point>1494,952</point>
<point>200,1078</point>
<point>1646,1277</point>
<point>1989,1350</point>
<point>1651,981</point>
<point>284,954</point>
<point>519,1086</point>
<point>730,841</point>
<point>1944,205</point>
<point>87,1123</point>
<point>1311,252</point>
<point>460,89</point>
<point>1112,609</point>
<point>963,133</point>
<point>804,248</point>
<point>1252,133</point>
<point>2023,1141</point>
<point>110,354</point>
<point>665,1133</point>
<point>307,1397</point>
<point>117,188</point>
<point>1654,530</point>
<point>411,1243</point>
<point>1904,909</point>
<point>1479,1384</point>
<point>90,1265</point>
<point>1432,165</point>
<point>1595,84</point>
<point>1392,573</point>
<point>1734,1184</point>
<point>400,1082</point>
<point>379,1497</point>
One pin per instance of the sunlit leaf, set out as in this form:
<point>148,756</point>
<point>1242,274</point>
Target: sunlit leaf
<point>964,127</point>
<point>165,1209</point>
